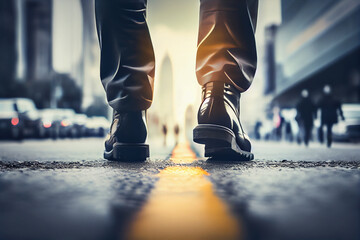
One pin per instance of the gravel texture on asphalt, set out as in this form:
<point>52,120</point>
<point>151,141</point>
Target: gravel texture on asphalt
<point>65,190</point>
<point>34,165</point>
<point>286,202</point>
<point>72,203</point>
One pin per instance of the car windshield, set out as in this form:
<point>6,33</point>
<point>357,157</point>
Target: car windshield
<point>67,113</point>
<point>48,114</point>
<point>6,106</point>
<point>25,106</point>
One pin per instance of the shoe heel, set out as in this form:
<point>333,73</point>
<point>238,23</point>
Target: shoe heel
<point>131,152</point>
<point>213,134</point>
<point>220,142</point>
<point>217,139</point>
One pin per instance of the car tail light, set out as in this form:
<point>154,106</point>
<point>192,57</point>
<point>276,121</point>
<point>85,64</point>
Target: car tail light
<point>65,123</point>
<point>15,121</point>
<point>47,124</point>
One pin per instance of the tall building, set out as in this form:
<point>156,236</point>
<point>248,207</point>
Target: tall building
<point>38,22</point>
<point>7,45</point>
<point>164,98</point>
<point>318,43</point>
<point>29,64</point>
<point>25,46</point>
<point>269,63</point>
<point>92,88</point>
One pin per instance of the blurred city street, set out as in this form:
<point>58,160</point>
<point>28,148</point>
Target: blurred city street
<point>65,190</point>
<point>285,73</point>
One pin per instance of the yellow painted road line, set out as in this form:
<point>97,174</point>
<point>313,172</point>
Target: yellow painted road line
<point>182,154</point>
<point>183,205</point>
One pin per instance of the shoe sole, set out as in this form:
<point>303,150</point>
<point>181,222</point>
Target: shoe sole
<point>220,143</point>
<point>128,152</point>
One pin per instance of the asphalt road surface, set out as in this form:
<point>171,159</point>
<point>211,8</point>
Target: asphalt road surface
<point>66,190</point>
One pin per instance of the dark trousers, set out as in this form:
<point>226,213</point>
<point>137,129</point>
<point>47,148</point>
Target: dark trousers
<point>328,133</point>
<point>307,134</point>
<point>226,48</point>
<point>305,128</point>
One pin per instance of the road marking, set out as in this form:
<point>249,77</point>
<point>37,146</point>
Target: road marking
<point>183,205</point>
<point>182,154</point>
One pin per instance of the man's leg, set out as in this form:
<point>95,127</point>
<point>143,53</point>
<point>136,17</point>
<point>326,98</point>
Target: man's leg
<point>127,58</point>
<point>306,135</point>
<point>127,74</point>
<point>225,67</point>
<point>321,133</point>
<point>329,134</point>
<point>226,44</point>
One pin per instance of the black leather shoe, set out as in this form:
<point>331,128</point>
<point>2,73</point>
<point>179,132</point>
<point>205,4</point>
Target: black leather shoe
<point>126,140</point>
<point>219,124</point>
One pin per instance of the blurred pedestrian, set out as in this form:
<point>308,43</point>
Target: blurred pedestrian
<point>176,131</point>
<point>164,131</point>
<point>330,110</point>
<point>288,131</point>
<point>279,121</point>
<point>257,127</point>
<point>306,113</point>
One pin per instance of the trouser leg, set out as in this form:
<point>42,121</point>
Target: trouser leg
<point>226,44</point>
<point>127,59</point>
<point>321,134</point>
<point>329,134</point>
<point>307,134</point>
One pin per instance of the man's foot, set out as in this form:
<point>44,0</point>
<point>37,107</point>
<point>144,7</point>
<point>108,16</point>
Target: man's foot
<point>126,140</point>
<point>219,124</point>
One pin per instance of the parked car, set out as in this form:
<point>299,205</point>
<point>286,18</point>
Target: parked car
<point>66,116</point>
<point>64,122</point>
<point>79,124</point>
<point>348,130</point>
<point>9,121</point>
<point>19,118</point>
<point>97,126</point>
<point>51,119</point>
